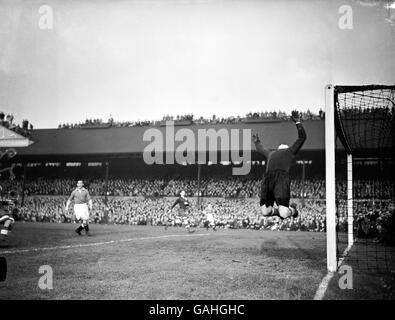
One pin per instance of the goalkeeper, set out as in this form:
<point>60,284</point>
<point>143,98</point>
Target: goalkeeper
<point>275,185</point>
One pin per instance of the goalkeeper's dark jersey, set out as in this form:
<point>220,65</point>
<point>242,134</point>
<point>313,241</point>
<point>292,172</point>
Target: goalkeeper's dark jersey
<point>282,159</point>
<point>182,202</point>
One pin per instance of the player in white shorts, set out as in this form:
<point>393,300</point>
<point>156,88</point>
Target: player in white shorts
<point>82,200</point>
<point>210,222</point>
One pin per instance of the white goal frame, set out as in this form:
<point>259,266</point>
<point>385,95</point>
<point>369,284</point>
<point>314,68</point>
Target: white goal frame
<point>330,185</point>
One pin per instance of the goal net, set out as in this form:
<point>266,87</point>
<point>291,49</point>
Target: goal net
<point>359,146</point>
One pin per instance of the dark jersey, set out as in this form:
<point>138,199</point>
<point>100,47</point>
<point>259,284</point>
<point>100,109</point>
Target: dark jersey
<point>182,202</point>
<point>282,159</point>
<point>3,212</point>
<point>4,206</point>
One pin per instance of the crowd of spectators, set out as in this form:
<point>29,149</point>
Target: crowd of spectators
<point>229,213</point>
<point>234,200</point>
<point>8,121</point>
<point>87,123</point>
<point>368,189</point>
<point>366,112</point>
<point>230,187</point>
<point>281,115</point>
<point>227,187</point>
<point>371,218</point>
<point>190,119</point>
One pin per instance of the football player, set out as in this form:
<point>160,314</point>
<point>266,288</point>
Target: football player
<point>82,199</point>
<point>7,212</point>
<point>209,215</point>
<point>275,187</point>
<point>183,206</point>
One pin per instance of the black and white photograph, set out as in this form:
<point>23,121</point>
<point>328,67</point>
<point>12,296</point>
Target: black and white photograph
<point>223,151</point>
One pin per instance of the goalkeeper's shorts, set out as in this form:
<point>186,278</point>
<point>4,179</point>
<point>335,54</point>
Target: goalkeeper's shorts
<point>275,187</point>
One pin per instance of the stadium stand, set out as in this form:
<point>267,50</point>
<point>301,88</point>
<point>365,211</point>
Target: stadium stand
<point>142,202</point>
<point>8,122</point>
<point>139,194</point>
<point>189,119</point>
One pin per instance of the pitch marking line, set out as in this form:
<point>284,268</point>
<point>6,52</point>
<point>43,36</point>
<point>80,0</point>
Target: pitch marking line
<point>319,295</point>
<point>95,244</point>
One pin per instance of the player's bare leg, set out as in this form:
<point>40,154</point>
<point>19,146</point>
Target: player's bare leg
<point>287,212</point>
<point>284,212</point>
<point>271,213</point>
<point>266,211</point>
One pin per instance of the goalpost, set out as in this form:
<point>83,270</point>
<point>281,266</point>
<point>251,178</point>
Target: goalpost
<point>330,182</point>
<point>361,118</point>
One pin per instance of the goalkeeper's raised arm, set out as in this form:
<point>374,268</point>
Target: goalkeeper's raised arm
<point>297,145</point>
<point>259,147</point>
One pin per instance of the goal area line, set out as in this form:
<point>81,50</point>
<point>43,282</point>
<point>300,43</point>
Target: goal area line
<point>96,244</point>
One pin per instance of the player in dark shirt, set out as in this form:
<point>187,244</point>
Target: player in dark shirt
<point>183,205</point>
<point>276,182</point>
<point>8,212</point>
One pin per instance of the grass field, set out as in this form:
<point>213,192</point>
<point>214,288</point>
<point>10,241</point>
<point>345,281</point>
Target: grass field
<point>143,262</point>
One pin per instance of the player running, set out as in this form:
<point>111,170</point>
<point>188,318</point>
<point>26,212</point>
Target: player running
<point>183,205</point>
<point>81,199</point>
<point>275,185</point>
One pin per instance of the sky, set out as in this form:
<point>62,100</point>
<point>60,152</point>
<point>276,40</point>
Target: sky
<point>141,60</point>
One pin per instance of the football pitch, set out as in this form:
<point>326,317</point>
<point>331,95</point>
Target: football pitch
<point>145,262</point>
